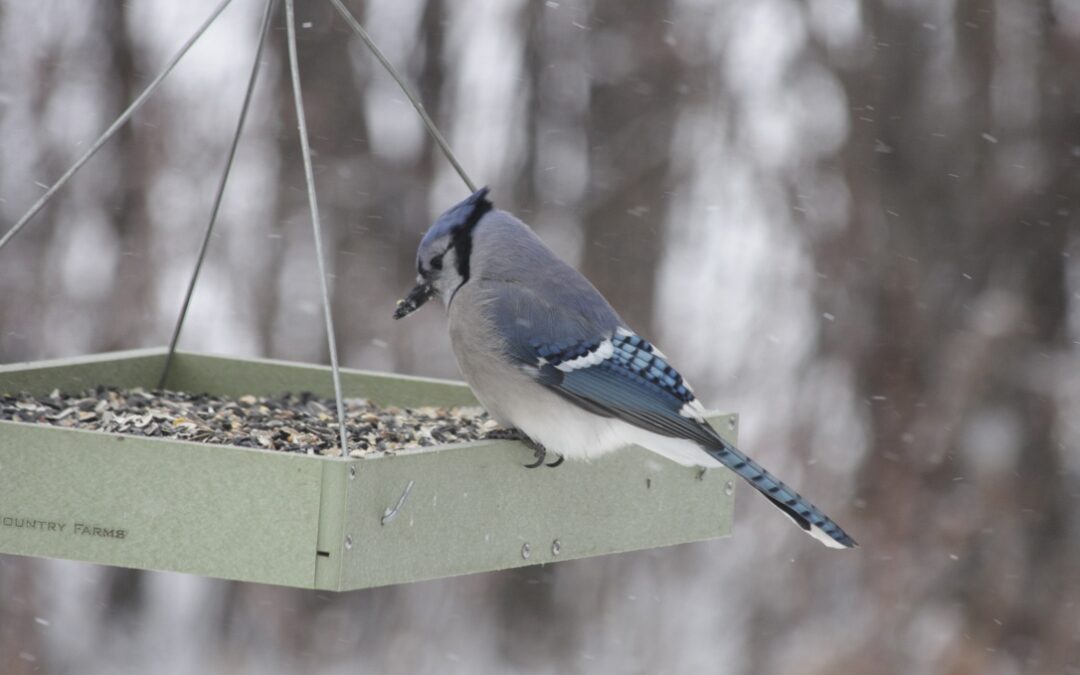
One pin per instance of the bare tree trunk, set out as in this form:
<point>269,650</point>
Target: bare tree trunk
<point>131,303</point>
<point>629,149</point>
<point>396,208</point>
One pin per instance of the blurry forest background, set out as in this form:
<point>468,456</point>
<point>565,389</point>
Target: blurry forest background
<point>855,222</point>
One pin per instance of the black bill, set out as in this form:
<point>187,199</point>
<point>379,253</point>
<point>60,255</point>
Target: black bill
<point>420,294</point>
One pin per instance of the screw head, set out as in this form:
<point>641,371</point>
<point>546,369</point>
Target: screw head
<point>729,488</point>
<point>556,547</point>
<point>731,423</point>
<point>352,472</point>
<point>526,550</point>
<point>348,541</point>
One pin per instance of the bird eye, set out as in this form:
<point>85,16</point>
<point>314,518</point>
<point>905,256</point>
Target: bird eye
<point>436,262</point>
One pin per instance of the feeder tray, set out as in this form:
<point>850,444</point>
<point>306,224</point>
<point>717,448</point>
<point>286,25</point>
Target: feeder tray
<point>329,523</point>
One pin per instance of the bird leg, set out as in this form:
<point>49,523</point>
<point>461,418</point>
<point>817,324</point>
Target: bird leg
<point>502,434</point>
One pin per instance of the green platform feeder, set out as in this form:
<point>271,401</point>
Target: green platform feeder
<point>329,523</point>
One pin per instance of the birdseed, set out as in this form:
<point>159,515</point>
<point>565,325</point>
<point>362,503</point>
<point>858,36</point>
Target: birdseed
<point>300,423</point>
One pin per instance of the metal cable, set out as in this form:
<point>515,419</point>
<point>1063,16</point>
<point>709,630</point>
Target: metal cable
<point>220,192</point>
<point>120,121</point>
<point>309,176</point>
<point>432,129</point>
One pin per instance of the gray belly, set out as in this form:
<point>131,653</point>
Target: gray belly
<point>479,351</point>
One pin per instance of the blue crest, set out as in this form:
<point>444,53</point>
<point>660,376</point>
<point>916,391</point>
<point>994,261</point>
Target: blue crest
<point>463,215</point>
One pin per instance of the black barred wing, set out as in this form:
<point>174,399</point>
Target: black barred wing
<point>572,342</point>
<point>624,376</point>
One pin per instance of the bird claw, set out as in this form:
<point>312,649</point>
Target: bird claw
<point>539,452</point>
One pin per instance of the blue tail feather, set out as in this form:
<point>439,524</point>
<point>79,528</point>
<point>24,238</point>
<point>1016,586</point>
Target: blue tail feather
<point>806,515</point>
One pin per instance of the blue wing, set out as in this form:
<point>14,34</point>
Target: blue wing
<point>577,346</point>
<point>623,376</point>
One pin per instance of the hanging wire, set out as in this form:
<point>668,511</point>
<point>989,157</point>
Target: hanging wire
<point>120,121</point>
<point>306,155</point>
<point>220,192</point>
<point>432,129</point>
<point>301,122</point>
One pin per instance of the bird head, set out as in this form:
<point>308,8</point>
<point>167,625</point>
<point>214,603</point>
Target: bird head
<point>442,261</point>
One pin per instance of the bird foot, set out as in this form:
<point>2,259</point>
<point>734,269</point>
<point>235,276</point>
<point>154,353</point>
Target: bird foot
<point>540,453</point>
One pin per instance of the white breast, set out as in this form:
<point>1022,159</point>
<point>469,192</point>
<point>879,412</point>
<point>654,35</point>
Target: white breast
<point>575,433</point>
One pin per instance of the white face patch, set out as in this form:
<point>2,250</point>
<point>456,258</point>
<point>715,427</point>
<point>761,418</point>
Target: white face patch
<point>598,355</point>
<point>447,280</point>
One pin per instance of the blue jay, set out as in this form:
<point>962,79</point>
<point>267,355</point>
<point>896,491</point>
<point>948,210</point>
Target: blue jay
<point>546,354</point>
